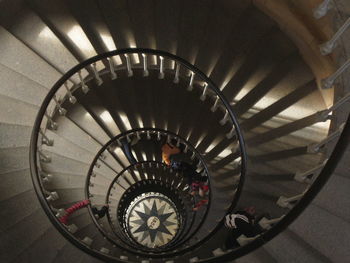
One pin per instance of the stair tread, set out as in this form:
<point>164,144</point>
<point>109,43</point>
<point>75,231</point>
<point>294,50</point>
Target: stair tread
<point>334,231</point>
<point>14,183</point>
<point>27,62</point>
<point>23,89</point>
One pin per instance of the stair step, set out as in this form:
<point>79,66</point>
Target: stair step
<point>288,245</point>
<point>13,159</point>
<point>335,197</point>
<point>13,111</point>
<point>18,208</point>
<point>70,150</point>
<point>12,136</point>
<point>37,35</point>
<point>335,232</point>
<point>26,61</point>
<point>69,253</point>
<point>261,255</point>
<point>44,249</point>
<point>20,87</point>
<point>14,183</point>
<point>23,234</point>
<point>87,123</point>
<point>62,164</point>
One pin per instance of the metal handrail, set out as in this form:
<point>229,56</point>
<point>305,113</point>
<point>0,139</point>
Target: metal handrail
<point>288,219</point>
<point>127,168</point>
<point>34,141</point>
<point>112,142</point>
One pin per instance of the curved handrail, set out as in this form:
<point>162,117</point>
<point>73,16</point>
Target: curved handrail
<point>112,142</point>
<point>127,168</point>
<point>33,158</point>
<point>288,219</point>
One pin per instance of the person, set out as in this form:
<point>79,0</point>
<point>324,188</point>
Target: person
<point>200,204</point>
<point>174,158</point>
<point>169,149</point>
<point>81,204</point>
<point>240,223</point>
<point>100,213</point>
<point>127,151</point>
<point>196,180</point>
<point>199,187</point>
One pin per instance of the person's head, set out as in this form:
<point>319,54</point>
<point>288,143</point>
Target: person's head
<point>173,142</point>
<point>250,210</point>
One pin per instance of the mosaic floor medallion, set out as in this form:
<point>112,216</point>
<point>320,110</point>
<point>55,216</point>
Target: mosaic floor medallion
<point>153,220</point>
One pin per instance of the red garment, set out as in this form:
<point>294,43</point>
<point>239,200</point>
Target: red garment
<point>72,209</point>
<point>200,203</point>
<point>195,186</point>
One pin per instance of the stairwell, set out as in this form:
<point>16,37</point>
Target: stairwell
<point>264,58</point>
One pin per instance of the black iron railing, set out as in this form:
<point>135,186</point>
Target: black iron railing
<point>51,106</point>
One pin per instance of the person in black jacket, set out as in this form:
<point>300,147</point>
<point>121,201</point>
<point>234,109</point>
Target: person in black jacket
<point>100,212</point>
<point>196,181</point>
<point>240,223</point>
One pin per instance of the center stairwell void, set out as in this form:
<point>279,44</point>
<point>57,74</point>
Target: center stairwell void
<point>254,93</point>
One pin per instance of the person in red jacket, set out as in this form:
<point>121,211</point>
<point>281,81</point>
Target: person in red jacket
<point>84,203</point>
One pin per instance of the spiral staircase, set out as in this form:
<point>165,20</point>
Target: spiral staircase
<point>255,93</point>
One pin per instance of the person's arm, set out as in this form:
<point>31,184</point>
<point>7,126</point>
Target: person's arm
<point>100,212</point>
<point>127,151</point>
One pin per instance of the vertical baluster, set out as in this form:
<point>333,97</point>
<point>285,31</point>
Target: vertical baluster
<point>215,106</point>
<point>61,110</point>
<point>177,71</point>
<point>203,96</point>
<point>322,9</point>
<point>177,142</point>
<point>265,223</point>
<point>161,68</point>
<point>52,196</point>
<point>314,148</point>
<point>45,140</point>
<point>45,177</point>
<point>287,202</point>
<point>111,68</point>
<point>329,46</point>
<point>186,148</point>
<point>53,125</point>
<point>60,212</point>
<point>231,133</point>
<point>145,70</point>
<point>225,118</point>
<point>43,157</point>
<point>128,65</point>
<point>193,155</point>
<point>305,176</point>
<point>84,88</point>
<point>190,85</point>
<point>72,99</point>
<point>339,103</point>
<point>97,76</point>
<point>329,82</point>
